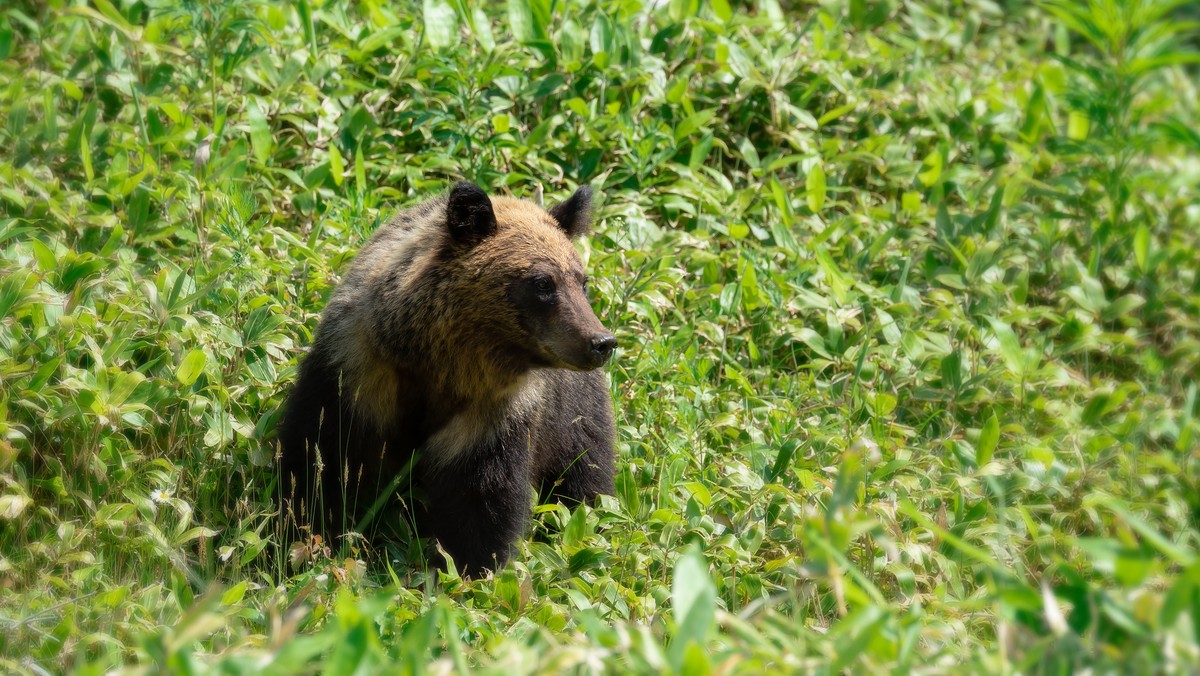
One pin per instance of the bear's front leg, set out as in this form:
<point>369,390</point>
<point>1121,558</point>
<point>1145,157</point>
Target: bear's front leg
<point>573,439</point>
<point>479,504</point>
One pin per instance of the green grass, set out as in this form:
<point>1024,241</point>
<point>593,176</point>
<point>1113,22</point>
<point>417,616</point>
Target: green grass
<point>907,296</point>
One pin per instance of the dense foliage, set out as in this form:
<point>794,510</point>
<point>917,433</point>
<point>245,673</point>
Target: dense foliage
<point>907,295</point>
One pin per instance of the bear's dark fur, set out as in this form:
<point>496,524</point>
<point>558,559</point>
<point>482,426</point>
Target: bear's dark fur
<point>462,333</point>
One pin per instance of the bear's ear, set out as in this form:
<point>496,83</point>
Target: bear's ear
<point>575,215</point>
<point>469,213</point>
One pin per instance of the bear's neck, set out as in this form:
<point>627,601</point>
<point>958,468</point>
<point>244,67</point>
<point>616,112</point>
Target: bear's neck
<point>482,378</point>
<point>453,431</point>
<point>443,369</point>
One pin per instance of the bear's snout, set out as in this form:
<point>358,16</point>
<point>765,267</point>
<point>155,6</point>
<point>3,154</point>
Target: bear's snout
<point>582,350</point>
<point>603,345</point>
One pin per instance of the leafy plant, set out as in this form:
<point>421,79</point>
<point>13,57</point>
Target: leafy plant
<point>907,302</point>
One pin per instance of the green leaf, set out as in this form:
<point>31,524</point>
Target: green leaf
<point>774,12</point>
<point>234,594</point>
<point>601,36</point>
<point>749,153</point>
<point>11,506</point>
<point>1141,247</point>
<point>695,661</point>
<point>336,167</point>
<point>681,10</point>
<point>115,18</point>
<point>601,41</point>
<point>121,385</point>
<point>44,257</point>
<point>12,290</point>
<point>989,437</point>
<point>441,24</point>
<point>85,156</point>
<point>579,106</point>
<point>381,39</point>
<point>722,10</point>
<point>933,168</point>
<point>501,123</point>
<point>526,24</point>
<point>694,602</point>
<point>481,27</point>
<point>1123,307</point>
<point>191,367</point>
<point>306,21</point>
<point>1010,347</point>
<point>360,171</point>
<point>835,114</point>
<point>6,42</point>
<point>627,491</point>
<point>261,141</point>
<point>700,151</point>
<point>837,281</point>
<point>1077,125</point>
<point>752,296</point>
<point>693,122</point>
<point>350,653</point>
<point>814,188</point>
<point>576,530</point>
<point>571,42</point>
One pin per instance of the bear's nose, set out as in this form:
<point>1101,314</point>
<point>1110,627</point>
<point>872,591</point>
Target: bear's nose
<point>603,345</point>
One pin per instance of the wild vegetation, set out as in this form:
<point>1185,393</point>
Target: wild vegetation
<point>907,299</point>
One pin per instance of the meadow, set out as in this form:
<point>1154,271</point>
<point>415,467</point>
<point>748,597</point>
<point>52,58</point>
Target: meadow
<point>906,293</point>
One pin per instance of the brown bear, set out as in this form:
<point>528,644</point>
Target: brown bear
<point>461,344</point>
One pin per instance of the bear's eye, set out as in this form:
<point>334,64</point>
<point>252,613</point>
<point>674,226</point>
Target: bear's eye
<point>585,284</point>
<point>543,285</point>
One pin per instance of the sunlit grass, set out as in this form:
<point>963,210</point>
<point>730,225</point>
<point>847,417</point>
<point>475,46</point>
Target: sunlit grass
<point>907,300</point>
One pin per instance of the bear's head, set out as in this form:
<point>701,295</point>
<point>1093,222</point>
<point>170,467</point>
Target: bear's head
<point>526,278</point>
